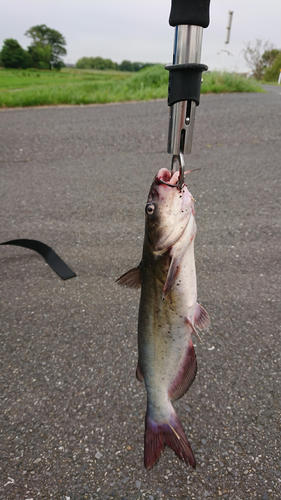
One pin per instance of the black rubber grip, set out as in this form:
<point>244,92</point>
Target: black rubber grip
<point>193,12</point>
<point>185,82</point>
<point>50,256</point>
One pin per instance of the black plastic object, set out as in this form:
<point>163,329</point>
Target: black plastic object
<point>51,257</point>
<point>193,12</point>
<point>185,82</point>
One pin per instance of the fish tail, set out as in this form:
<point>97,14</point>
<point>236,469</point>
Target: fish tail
<point>170,433</point>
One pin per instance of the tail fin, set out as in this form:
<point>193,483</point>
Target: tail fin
<point>159,434</point>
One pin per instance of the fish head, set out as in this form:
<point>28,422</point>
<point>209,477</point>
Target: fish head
<point>168,211</point>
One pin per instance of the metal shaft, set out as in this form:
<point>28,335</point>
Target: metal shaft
<point>187,49</point>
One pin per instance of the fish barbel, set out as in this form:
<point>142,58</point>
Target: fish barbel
<point>168,313</point>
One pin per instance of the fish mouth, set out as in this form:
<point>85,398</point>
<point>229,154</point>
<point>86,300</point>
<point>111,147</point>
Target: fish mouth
<point>171,179</point>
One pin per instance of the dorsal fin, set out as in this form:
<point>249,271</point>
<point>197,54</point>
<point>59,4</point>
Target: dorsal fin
<point>131,278</point>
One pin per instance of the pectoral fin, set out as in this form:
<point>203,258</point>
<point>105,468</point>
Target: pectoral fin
<point>139,374</point>
<point>201,317</point>
<point>171,276</point>
<point>131,278</point>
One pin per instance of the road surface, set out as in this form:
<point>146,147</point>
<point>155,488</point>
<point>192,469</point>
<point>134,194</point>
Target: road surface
<point>72,418</point>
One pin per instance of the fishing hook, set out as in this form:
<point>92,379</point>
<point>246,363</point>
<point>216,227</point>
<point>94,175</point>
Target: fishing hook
<point>180,181</point>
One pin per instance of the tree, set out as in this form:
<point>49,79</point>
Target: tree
<point>41,56</point>
<point>126,66</point>
<point>84,63</point>
<point>95,63</point>
<point>269,57</point>
<point>48,45</point>
<point>254,56</point>
<point>13,55</point>
<point>137,66</point>
<point>272,72</point>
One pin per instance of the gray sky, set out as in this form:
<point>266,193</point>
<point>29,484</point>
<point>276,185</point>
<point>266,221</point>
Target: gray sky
<point>138,30</point>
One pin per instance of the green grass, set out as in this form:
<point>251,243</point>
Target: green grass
<point>219,83</point>
<point>70,86</point>
<point>264,82</point>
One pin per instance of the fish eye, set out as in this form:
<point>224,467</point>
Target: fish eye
<point>150,208</point>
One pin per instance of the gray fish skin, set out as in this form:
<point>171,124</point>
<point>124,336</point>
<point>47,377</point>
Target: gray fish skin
<point>168,312</point>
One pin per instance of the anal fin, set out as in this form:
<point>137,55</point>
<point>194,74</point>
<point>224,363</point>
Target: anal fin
<point>185,375</point>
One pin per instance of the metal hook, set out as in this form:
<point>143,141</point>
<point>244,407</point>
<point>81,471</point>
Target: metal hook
<point>180,160</point>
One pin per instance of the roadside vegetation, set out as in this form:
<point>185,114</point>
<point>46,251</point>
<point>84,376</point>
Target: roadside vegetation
<point>264,60</point>
<point>33,87</point>
<point>38,76</point>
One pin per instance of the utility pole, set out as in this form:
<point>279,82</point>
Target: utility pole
<point>229,26</point>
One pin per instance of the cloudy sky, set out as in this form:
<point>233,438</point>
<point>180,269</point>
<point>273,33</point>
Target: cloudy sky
<point>138,30</point>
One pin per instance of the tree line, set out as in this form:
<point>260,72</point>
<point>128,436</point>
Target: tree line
<point>100,63</point>
<point>45,51</point>
<point>48,46</point>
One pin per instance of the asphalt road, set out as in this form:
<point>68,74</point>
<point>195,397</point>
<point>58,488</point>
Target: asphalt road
<point>72,412</point>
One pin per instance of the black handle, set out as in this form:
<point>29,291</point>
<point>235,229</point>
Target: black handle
<point>185,82</point>
<point>50,256</point>
<point>193,12</point>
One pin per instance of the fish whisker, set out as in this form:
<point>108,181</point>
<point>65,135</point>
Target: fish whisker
<point>192,170</point>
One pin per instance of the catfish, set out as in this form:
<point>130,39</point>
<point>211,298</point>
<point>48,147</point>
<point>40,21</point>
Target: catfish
<point>168,313</point>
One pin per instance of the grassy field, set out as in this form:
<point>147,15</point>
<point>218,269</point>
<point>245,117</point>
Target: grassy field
<point>70,86</point>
